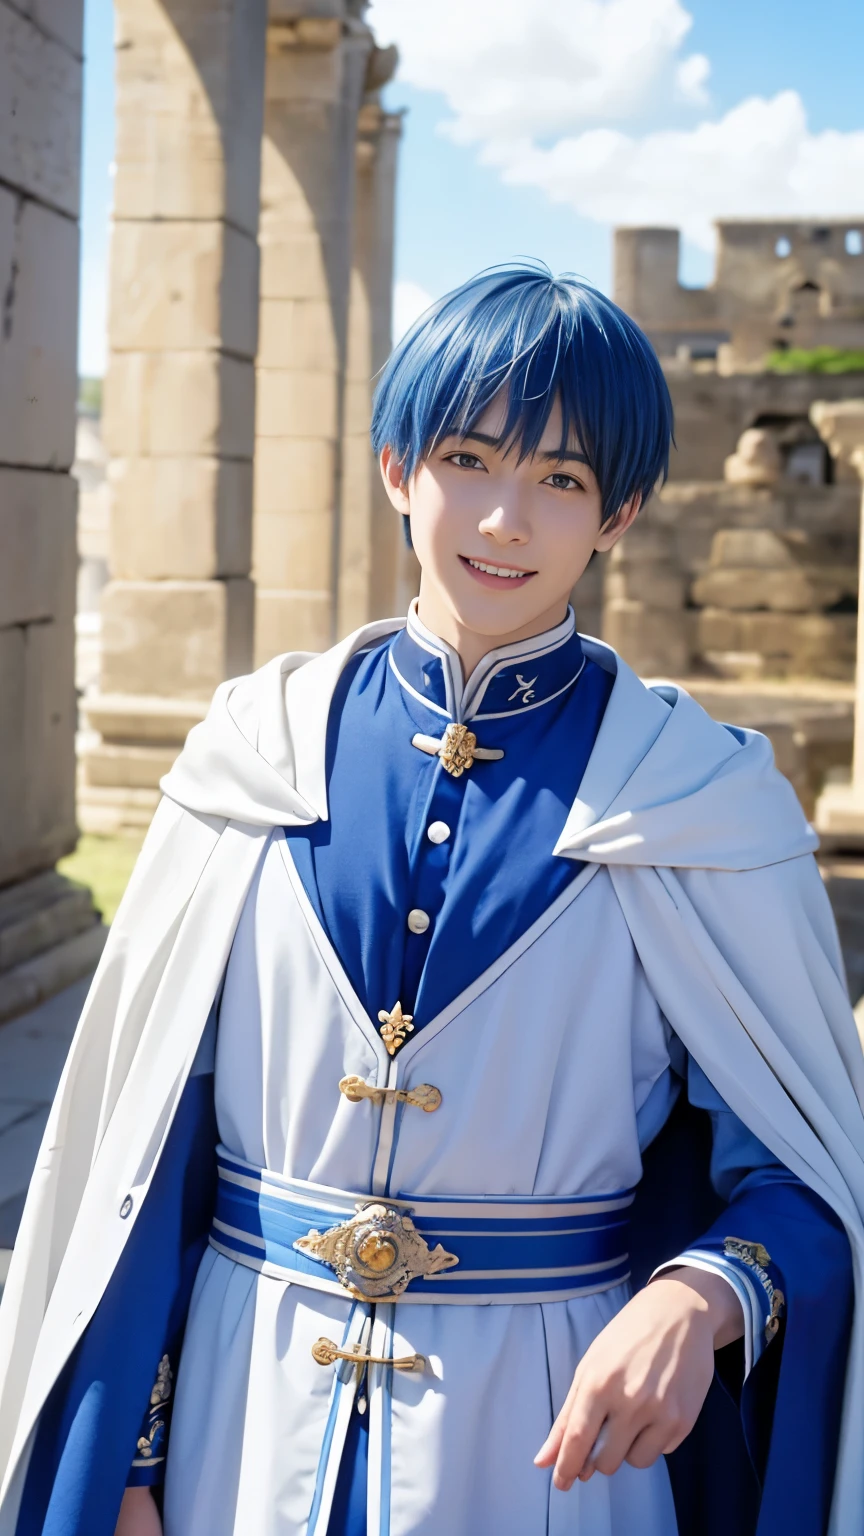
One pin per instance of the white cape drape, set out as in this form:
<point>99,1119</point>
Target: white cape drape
<point>710,858</point>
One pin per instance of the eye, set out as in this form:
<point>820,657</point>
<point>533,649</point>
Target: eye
<point>465,461</point>
<point>561,482</point>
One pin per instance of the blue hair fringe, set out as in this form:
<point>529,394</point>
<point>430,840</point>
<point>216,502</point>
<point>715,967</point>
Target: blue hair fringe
<point>518,329</point>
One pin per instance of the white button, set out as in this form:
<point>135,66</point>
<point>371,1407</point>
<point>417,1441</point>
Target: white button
<point>438,832</point>
<point>418,921</point>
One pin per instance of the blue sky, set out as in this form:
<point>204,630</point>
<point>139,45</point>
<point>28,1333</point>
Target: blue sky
<point>457,213</point>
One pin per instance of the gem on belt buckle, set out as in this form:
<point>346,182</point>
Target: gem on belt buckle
<point>377,1253</point>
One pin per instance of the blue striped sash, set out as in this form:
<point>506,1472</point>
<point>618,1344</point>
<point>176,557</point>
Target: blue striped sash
<point>511,1248</point>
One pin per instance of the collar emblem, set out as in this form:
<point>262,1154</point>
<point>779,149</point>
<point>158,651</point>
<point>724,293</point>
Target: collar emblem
<point>526,690</point>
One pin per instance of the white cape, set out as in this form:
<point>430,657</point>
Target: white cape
<point>711,861</point>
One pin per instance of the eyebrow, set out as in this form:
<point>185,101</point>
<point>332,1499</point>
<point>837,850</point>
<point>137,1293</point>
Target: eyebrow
<point>568,457</point>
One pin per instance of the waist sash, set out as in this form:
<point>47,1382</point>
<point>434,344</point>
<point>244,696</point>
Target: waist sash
<point>453,1248</point>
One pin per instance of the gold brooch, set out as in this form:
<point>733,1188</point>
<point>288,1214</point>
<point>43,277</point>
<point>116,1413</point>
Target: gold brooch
<point>377,1253</point>
<point>396,1026</point>
<point>457,749</point>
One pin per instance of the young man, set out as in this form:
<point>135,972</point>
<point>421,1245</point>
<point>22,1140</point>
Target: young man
<point>465,946</point>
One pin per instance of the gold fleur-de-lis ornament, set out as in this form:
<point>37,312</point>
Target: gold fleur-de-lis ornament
<point>395,1027</point>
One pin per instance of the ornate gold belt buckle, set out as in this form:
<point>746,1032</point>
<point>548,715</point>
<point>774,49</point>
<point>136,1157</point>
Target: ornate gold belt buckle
<point>376,1253</point>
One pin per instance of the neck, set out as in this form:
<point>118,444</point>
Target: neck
<point>471,646</point>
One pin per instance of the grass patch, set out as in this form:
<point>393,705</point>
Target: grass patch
<point>815,360</point>
<point>104,864</point>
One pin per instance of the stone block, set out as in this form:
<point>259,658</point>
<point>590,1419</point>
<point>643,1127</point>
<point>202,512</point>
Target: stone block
<point>183,285</point>
<point>300,335</point>
<point>41,79</point>
<point>294,475</point>
<point>37,779</point>
<point>655,583</point>
<point>110,811</point>
<point>175,638</point>
<point>27,985</point>
<point>37,539</point>
<point>291,621</point>
<point>653,641</point>
<point>38,339</point>
<point>297,405</point>
<point>62,20</point>
<point>293,550</point>
<point>121,718</point>
<point>292,263</point>
<point>181,518</point>
<point>172,404</point>
<point>778,644</point>
<point>195,78</point>
<point>787,589</point>
<point>38,913</point>
<point>128,765</point>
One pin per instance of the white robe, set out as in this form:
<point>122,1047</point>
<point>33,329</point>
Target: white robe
<point>707,855</point>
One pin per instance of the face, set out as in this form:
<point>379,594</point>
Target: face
<point>500,544</point>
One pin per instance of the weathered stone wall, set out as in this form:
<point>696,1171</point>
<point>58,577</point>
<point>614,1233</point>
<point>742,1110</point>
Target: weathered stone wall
<point>178,613</point>
<point>40,133</point>
<point>712,410</point>
<point>776,284</point>
<point>49,932</point>
<point>326,234</point>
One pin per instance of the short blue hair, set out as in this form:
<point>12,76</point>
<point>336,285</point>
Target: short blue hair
<point>539,338</point>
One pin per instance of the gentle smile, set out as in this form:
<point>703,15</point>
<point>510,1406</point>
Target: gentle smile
<point>495,575</point>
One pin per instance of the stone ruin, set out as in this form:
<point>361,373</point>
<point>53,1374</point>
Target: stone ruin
<point>742,577</point>
<point>250,301</point>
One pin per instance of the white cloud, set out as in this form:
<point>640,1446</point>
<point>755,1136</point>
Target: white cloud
<point>552,92</point>
<point>409,301</point>
<point>757,161</point>
<point>530,68</point>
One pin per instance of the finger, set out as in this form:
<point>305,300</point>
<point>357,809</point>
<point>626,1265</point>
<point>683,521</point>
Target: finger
<point>654,1441</point>
<point>548,1452</point>
<point>618,1435</point>
<point>589,1466</point>
<point>580,1434</point>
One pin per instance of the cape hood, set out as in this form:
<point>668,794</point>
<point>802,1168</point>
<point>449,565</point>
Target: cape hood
<point>665,785</point>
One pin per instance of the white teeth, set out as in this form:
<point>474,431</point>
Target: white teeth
<point>495,570</point>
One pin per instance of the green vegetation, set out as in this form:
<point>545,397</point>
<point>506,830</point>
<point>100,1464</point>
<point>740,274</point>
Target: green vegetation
<point>104,864</point>
<point>90,395</point>
<point>816,360</point>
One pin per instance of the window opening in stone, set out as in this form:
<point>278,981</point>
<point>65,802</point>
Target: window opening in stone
<point>854,242</point>
<point>783,246</point>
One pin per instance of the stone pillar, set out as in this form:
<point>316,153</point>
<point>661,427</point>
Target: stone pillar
<point>316,78</point>
<point>371,533</point>
<point>178,613</point>
<point>839,817</point>
<point>49,933</point>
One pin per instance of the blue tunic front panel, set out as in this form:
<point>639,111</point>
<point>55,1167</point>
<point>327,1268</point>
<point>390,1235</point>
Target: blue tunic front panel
<point>487,870</point>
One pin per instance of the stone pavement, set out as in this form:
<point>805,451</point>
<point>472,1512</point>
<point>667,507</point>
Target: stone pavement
<point>33,1049</point>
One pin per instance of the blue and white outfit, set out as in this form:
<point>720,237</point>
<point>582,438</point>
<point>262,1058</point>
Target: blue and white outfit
<point>474,914</point>
<point>443,893</point>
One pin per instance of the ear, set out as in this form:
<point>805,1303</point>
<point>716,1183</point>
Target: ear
<point>394,485</point>
<point>611,532</point>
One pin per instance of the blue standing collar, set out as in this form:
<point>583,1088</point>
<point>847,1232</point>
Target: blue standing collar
<point>511,680</point>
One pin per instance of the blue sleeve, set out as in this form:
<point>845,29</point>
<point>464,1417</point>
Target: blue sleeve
<point>741,1165</point>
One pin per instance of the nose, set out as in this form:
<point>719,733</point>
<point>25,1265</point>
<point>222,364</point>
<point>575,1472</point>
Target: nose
<point>506,523</point>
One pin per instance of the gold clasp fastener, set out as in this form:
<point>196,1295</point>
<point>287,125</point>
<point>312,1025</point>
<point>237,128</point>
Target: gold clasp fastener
<point>425,1096</point>
<point>325,1352</point>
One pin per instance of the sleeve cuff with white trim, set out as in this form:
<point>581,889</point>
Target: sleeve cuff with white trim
<point>747,1267</point>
